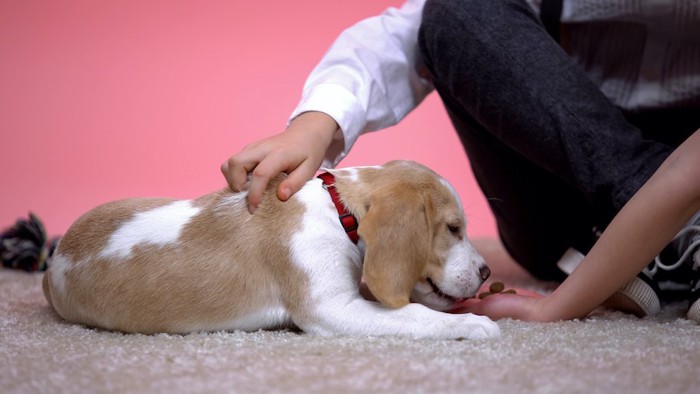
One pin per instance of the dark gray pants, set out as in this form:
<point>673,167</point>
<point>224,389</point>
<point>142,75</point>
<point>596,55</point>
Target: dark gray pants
<point>551,153</point>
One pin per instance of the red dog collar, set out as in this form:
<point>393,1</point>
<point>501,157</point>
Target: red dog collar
<point>346,218</point>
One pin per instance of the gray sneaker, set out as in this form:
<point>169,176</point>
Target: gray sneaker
<point>688,244</point>
<point>643,295</point>
<point>679,280</point>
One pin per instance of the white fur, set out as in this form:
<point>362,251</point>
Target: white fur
<point>462,269</point>
<point>159,226</point>
<point>354,171</point>
<point>334,264</point>
<point>460,276</point>
<point>59,266</point>
<point>452,191</point>
<point>271,317</point>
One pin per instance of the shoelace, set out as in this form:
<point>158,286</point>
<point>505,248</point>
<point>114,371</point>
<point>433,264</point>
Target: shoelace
<point>688,250</point>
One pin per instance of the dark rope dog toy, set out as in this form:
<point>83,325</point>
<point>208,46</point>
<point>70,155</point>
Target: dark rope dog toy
<point>26,246</point>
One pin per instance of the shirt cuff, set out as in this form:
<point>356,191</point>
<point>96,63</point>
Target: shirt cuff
<point>341,105</point>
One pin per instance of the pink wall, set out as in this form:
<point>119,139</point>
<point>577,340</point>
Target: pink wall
<point>102,100</point>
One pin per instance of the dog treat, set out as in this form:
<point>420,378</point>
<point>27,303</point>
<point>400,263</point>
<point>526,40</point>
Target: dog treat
<point>496,288</point>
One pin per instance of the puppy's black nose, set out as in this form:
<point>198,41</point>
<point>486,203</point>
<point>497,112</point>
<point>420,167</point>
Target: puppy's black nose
<point>484,272</point>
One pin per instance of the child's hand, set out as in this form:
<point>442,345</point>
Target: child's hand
<point>523,305</point>
<point>298,151</point>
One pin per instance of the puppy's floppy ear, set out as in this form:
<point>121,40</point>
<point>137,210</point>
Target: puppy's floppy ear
<point>396,233</point>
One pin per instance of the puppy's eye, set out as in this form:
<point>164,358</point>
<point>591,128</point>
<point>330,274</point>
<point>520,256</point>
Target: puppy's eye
<point>454,229</point>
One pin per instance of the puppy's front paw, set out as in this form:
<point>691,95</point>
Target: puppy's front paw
<point>479,327</point>
<point>485,327</point>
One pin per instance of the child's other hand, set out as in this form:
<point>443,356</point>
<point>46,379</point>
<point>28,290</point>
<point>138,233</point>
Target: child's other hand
<point>298,151</point>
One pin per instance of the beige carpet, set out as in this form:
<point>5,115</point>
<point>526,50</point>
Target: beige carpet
<point>606,353</point>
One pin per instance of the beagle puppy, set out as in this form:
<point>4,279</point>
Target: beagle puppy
<point>155,265</point>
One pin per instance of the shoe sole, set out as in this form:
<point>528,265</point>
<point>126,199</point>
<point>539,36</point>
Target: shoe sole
<point>637,298</point>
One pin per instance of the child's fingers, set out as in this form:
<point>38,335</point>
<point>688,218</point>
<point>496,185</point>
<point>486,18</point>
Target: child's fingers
<point>296,180</point>
<point>237,167</point>
<point>266,169</point>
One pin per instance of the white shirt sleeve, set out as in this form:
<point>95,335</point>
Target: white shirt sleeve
<point>369,78</point>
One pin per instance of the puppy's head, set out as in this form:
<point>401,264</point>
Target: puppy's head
<point>415,240</point>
